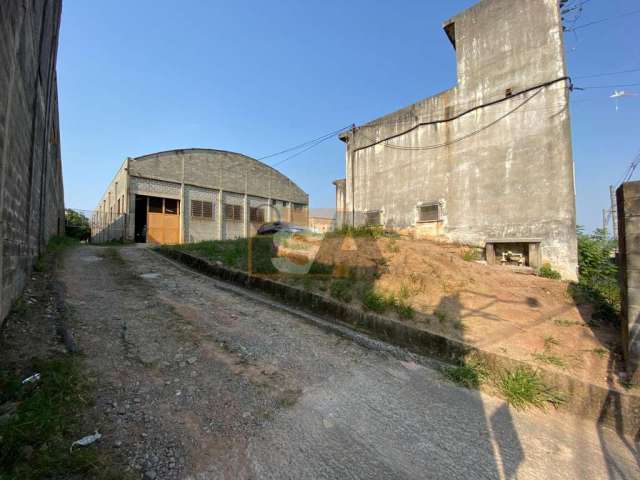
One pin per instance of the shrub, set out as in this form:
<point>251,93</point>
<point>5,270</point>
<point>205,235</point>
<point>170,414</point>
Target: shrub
<point>341,290</point>
<point>547,271</point>
<point>598,275</point>
<point>377,302</point>
<point>362,231</point>
<point>404,310</point>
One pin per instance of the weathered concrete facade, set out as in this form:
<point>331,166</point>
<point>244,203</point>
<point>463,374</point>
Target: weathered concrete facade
<point>488,161</point>
<point>31,192</point>
<point>219,194</point>
<point>628,203</point>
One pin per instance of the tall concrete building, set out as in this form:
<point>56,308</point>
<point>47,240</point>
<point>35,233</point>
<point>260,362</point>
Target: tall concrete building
<point>488,162</point>
<point>183,196</point>
<point>31,193</point>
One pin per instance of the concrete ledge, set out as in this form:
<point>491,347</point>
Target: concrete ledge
<point>612,408</point>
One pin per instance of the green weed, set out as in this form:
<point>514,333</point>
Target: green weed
<point>36,440</point>
<point>341,289</point>
<point>471,255</point>
<point>600,352</point>
<point>469,374</point>
<point>547,271</point>
<point>550,359</point>
<point>405,293</point>
<point>404,310</point>
<point>441,315</point>
<point>377,302</point>
<point>563,322</point>
<point>523,387</point>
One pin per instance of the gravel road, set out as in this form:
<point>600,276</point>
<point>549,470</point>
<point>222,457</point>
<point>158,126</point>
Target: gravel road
<point>199,380</point>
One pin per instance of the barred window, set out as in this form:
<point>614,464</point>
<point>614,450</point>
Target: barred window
<point>372,218</point>
<point>202,209</point>
<point>233,212</point>
<point>256,215</point>
<point>429,213</point>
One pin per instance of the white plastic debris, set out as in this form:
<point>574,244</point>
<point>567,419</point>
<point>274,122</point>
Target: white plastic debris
<point>88,440</point>
<point>32,379</point>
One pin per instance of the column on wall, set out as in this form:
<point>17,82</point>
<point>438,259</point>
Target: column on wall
<point>220,215</point>
<point>246,215</point>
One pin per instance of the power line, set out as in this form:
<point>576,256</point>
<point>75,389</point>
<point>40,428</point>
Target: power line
<point>457,140</point>
<point>607,74</point>
<point>608,86</point>
<point>461,114</point>
<point>302,145</point>
<point>307,149</point>
<point>602,20</point>
<point>630,170</point>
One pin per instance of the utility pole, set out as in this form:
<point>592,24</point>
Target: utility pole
<point>605,220</point>
<point>614,212</point>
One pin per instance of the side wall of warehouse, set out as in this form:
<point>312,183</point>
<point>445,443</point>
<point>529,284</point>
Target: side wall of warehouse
<point>31,192</point>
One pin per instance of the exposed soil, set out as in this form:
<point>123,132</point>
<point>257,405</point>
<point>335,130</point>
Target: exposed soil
<point>499,309</point>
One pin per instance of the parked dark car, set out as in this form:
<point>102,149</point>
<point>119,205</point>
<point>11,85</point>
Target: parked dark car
<point>275,227</point>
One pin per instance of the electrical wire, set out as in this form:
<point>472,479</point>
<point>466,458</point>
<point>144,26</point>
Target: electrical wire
<point>630,170</point>
<point>602,20</point>
<point>464,137</point>
<point>591,87</point>
<point>607,74</point>
<point>326,136</point>
<point>306,149</point>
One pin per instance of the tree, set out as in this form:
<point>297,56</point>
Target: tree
<point>76,225</point>
<point>598,273</point>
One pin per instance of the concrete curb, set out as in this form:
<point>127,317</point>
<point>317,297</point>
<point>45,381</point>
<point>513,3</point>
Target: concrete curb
<point>612,408</point>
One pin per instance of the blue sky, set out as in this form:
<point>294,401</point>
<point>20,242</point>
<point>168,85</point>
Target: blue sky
<point>255,77</point>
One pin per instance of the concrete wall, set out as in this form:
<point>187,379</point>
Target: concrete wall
<point>494,151</point>
<point>31,191</point>
<point>199,174</point>
<point>108,220</point>
<point>628,200</point>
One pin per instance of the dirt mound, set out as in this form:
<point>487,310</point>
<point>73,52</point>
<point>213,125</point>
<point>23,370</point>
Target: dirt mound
<point>499,309</point>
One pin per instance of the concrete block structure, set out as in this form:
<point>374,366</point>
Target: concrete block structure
<point>191,195</point>
<point>31,191</point>
<point>628,206</point>
<point>488,162</point>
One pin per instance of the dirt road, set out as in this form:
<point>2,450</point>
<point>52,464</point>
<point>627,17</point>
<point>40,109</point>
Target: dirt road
<point>198,381</point>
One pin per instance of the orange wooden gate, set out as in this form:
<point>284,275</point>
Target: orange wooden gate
<point>163,220</point>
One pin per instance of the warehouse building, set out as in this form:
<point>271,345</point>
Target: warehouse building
<point>183,196</point>
<point>487,162</point>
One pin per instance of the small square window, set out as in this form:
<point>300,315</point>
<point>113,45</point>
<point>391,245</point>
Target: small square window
<point>233,212</point>
<point>202,209</point>
<point>429,213</point>
<point>256,215</point>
